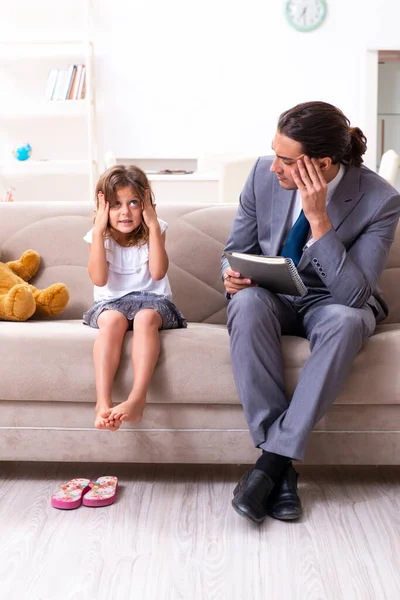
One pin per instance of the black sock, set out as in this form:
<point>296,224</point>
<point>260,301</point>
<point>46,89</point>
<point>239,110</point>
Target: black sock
<point>272,464</point>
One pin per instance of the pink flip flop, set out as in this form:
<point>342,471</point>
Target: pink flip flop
<point>70,494</point>
<point>103,492</point>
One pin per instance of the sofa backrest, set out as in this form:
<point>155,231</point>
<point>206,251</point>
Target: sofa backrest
<point>390,281</point>
<point>195,239</point>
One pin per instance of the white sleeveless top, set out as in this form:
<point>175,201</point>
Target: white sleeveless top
<point>128,270</point>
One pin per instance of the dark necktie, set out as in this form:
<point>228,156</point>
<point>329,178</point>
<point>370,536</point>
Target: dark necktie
<point>297,237</point>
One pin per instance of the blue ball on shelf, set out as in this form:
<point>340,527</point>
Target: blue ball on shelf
<point>23,152</point>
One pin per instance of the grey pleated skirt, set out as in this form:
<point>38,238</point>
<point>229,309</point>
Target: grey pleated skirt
<point>130,304</point>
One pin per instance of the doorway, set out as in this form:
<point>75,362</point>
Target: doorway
<point>382,104</point>
<point>388,127</point>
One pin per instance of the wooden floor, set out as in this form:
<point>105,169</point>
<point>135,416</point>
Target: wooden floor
<point>173,535</point>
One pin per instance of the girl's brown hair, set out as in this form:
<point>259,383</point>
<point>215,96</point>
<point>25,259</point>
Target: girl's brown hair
<point>323,130</point>
<point>113,180</point>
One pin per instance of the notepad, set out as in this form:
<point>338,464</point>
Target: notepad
<point>274,273</point>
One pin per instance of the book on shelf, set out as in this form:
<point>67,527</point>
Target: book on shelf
<point>51,84</point>
<point>274,273</point>
<point>66,84</point>
<point>74,83</point>
<point>70,79</point>
<point>175,172</point>
<point>169,172</point>
<point>59,88</point>
<point>82,86</point>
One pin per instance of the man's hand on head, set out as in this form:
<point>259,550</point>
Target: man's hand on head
<point>313,189</point>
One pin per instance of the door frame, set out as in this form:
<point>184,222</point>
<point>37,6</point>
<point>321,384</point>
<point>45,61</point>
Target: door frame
<point>370,104</point>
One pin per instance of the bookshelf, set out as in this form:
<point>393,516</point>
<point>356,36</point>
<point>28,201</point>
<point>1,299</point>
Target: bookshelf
<point>35,168</point>
<point>62,133</point>
<point>16,49</point>
<point>46,109</point>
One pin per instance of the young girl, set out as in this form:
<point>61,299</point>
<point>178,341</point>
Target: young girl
<point>128,266</point>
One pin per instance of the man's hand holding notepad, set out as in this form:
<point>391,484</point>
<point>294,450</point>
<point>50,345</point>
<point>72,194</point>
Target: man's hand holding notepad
<point>274,273</point>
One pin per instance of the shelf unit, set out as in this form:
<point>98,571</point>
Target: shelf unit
<point>16,49</point>
<point>35,168</point>
<point>50,116</point>
<point>46,109</point>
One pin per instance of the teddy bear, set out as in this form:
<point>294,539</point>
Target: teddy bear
<point>19,300</point>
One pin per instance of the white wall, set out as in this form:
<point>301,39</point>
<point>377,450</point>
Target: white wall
<point>179,78</point>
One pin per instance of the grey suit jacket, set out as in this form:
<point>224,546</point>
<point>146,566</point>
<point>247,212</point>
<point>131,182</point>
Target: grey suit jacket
<point>344,265</point>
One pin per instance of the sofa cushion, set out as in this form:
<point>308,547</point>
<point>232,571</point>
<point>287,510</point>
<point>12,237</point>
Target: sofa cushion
<point>44,360</point>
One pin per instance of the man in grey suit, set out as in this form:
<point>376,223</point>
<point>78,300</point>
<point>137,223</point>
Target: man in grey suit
<point>314,202</point>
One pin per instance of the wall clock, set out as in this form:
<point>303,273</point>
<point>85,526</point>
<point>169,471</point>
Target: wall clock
<point>305,15</point>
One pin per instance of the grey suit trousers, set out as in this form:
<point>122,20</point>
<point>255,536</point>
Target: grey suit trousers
<point>256,321</point>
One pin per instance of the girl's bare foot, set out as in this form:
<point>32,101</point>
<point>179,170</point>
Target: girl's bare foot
<point>113,425</point>
<point>102,412</point>
<point>131,410</point>
<point>102,420</point>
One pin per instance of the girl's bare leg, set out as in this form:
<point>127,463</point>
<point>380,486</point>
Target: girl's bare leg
<point>106,354</point>
<point>145,352</point>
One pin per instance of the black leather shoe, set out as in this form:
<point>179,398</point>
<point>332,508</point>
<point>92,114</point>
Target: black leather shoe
<point>284,502</point>
<point>250,495</point>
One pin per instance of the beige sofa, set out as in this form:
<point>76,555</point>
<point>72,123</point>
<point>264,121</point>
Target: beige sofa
<point>47,389</point>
